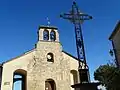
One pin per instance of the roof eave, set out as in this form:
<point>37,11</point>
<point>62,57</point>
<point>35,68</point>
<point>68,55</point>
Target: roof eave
<point>72,56</point>
<point>48,27</point>
<point>115,30</point>
<point>25,53</point>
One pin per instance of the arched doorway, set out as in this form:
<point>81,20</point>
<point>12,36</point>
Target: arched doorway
<point>50,84</point>
<point>19,80</point>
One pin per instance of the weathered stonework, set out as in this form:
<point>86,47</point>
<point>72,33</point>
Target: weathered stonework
<point>39,69</point>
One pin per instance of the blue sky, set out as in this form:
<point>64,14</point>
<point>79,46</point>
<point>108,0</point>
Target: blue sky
<point>20,19</point>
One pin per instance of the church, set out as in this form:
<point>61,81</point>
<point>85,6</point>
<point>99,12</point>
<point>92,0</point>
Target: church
<point>45,67</point>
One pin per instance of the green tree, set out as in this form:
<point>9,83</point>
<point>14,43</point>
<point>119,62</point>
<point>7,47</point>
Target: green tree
<point>109,76</point>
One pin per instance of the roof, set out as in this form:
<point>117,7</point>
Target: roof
<point>72,56</point>
<point>25,53</point>
<point>48,27</point>
<point>115,30</point>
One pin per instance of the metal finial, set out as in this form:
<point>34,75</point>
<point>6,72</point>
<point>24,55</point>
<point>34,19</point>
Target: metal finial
<point>48,22</point>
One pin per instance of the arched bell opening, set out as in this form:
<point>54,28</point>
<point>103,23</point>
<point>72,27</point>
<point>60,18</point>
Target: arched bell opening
<point>46,35</point>
<point>52,35</point>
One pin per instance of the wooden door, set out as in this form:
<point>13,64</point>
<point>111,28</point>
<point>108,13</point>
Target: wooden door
<point>48,86</point>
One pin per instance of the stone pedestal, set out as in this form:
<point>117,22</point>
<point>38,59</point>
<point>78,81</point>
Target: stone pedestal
<point>86,86</point>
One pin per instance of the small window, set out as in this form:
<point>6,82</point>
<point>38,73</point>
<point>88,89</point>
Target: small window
<point>52,35</point>
<point>45,35</point>
<point>50,57</point>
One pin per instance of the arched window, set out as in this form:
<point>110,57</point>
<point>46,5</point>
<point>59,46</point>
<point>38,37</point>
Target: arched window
<point>45,35</point>
<point>74,77</point>
<point>50,57</point>
<point>52,35</point>
<point>50,84</point>
<point>19,80</point>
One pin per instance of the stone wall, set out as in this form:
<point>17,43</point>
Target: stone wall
<point>0,75</point>
<point>39,69</point>
<point>116,42</point>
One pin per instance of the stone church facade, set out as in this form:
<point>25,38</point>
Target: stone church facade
<point>46,67</point>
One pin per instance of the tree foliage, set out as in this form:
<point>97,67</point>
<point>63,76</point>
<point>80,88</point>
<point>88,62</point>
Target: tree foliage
<point>109,76</point>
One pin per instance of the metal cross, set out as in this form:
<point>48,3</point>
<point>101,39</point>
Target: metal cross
<point>77,18</point>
